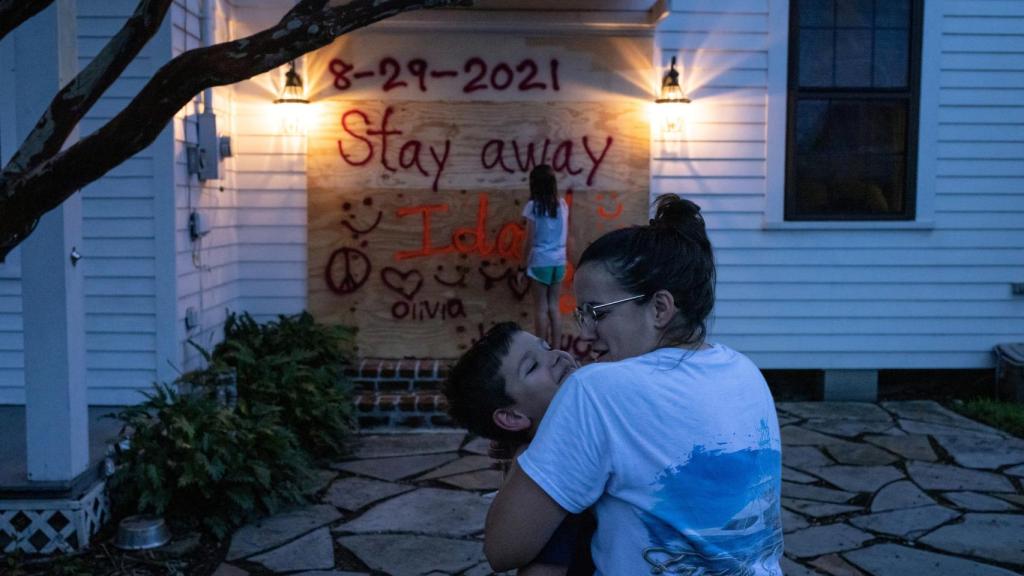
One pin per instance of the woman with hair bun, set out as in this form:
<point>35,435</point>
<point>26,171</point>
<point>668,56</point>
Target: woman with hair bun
<point>673,440</point>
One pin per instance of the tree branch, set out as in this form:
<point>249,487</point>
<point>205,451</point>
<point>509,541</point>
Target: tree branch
<point>44,186</point>
<point>14,12</point>
<point>76,98</point>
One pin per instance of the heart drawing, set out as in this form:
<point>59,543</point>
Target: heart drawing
<point>407,284</point>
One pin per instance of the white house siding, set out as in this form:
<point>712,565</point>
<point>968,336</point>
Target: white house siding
<point>121,229</point>
<point>207,270</point>
<point>271,187</point>
<point>12,363</point>
<point>839,297</point>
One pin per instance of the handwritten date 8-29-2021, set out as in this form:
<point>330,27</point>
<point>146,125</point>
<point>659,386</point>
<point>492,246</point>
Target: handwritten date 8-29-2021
<point>476,75</point>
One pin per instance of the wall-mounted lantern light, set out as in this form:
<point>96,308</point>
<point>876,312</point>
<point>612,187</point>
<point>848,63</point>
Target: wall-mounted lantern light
<point>672,101</point>
<point>292,103</point>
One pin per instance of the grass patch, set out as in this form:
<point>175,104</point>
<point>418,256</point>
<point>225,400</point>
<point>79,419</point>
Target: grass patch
<point>1007,416</point>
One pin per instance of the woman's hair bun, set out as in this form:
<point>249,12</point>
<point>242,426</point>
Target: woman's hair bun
<point>675,212</point>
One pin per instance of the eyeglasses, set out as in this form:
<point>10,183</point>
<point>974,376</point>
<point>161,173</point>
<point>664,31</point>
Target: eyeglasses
<point>586,315</point>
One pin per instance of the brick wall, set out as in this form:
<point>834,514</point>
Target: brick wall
<point>400,393</point>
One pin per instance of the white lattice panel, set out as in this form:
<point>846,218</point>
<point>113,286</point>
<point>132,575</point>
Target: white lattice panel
<point>48,526</point>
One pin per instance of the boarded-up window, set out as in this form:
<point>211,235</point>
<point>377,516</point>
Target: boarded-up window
<point>853,99</point>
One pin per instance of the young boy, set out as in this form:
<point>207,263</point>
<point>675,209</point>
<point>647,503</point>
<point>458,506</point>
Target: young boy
<point>500,389</point>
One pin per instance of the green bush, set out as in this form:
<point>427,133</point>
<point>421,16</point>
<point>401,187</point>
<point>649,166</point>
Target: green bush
<point>193,460</point>
<point>1007,416</point>
<point>296,365</point>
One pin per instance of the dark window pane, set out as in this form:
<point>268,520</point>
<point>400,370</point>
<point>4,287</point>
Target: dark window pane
<point>816,13</point>
<point>816,58</point>
<point>891,58</point>
<point>872,127</point>
<point>892,13</point>
<point>812,183</point>
<point>811,129</point>
<point>855,13</point>
<point>857,184</point>
<point>853,58</point>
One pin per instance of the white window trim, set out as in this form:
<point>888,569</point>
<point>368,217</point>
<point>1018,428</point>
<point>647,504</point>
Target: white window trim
<point>928,125</point>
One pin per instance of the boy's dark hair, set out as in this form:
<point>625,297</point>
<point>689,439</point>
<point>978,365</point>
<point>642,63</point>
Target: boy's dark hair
<point>544,191</point>
<point>475,387</point>
<point>672,253</point>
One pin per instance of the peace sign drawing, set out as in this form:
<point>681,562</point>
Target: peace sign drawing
<point>347,270</point>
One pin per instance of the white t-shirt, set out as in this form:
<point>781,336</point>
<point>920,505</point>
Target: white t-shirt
<point>678,452</point>
<point>549,236</point>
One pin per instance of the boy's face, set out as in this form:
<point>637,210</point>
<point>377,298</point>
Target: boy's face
<point>533,372</point>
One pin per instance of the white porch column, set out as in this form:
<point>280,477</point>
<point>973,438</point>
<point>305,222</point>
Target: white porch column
<point>52,301</point>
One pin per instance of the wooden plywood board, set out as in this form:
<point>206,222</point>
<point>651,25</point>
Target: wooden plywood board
<point>415,228</point>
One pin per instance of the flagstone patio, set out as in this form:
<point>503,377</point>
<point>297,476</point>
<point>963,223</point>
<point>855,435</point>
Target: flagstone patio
<point>896,489</point>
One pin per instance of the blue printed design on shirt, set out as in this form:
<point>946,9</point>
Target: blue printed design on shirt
<point>717,512</point>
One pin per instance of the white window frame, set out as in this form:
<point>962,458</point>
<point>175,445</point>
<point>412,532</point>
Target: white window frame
<point>928,129</point>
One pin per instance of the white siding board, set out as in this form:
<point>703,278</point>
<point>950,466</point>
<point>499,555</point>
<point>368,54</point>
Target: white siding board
<point>980,150</point>
<point>982,79</point>
<point>980,61</point>
<point>979,8</point>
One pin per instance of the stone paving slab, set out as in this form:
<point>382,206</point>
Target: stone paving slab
<point>354,493</point>
<point>392,469</point>
<point>899,496</point>
<point>998,537</point>
<point>910,523</point>
<point>819,493</point>
<point>276,530</point>
<point>860,454</point>
<point>797,436</point>
<point>390,445</point>
<point>860,411</point>
<point>817,509</point>
<point>478,446</point>
<point>912,447</point>
<point>981,452</point>
<point>851,428</point>
<point>414,555</point>
<point>464,464</point>
<point>859,478</point>
<point>791,568</point>
<point>794,475</point>
<point>819,540</point>
<point>331,573</point>
<point>1015,471</point>
<point>934,413</point>
<point>834,565</point>
<point>477,480</point>
<point>932,429</point>
<point>804,457</point>
<point>229,570</point>
<point>896,560</point>
<point>976,502</point>
<point>321,479</point>
<point>314,551</point>
<point>792,521</point>
<point>946,477</point>
<point>1012,498</point>
<point>425,511</point>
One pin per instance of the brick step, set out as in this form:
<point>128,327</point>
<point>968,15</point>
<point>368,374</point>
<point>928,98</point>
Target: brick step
<point>400,393</point>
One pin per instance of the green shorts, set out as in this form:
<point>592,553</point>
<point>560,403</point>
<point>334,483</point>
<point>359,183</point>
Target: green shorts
<point>548,275</point>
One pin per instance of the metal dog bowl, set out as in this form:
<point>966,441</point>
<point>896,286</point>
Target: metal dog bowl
<point>142,533</point>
